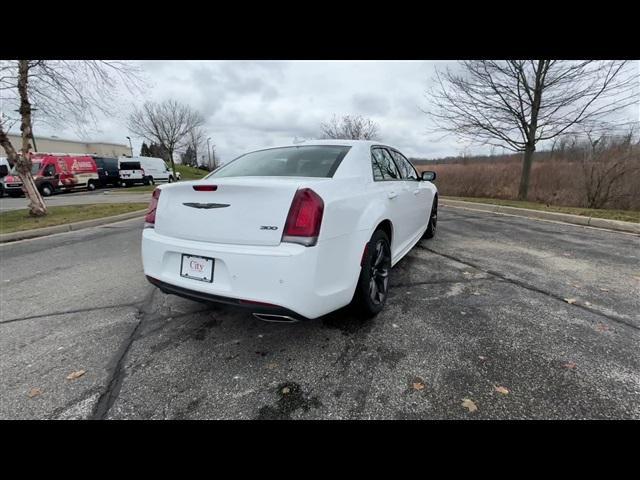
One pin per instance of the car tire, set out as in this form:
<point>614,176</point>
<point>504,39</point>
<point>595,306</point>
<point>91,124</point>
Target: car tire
<point>46,190</point>
<point>373,284</point>
<point>15,195</point>
<point>170,179</point>
<point>91,186</point>
<point>433,220</point>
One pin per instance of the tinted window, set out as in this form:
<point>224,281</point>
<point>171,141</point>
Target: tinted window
<point>110,163</point>
<point>302,161</point>
<point>34,168</point>
<point>130,166</point>
<point>99,162</point>
<point>406,169</point>
<point>383,166</point>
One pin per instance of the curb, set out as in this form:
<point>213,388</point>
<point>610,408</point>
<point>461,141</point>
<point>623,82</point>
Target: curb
<point>617,225</point>
<point>68,227</point>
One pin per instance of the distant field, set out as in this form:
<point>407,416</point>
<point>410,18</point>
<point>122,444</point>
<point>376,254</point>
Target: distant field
<point>624,215</point>
<point>190,173</point>
<point>553,182</point>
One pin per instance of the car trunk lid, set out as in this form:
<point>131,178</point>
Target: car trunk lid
<point>240,210</point>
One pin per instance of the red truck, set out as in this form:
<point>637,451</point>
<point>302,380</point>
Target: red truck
<point>56,171</point>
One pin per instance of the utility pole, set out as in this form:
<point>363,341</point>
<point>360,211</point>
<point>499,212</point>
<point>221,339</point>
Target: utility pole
<point>208,152</point>
<point>130,146</point>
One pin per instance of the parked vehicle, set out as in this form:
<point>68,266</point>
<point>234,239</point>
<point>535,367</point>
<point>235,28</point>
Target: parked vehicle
<point>108,171</point>
<point>4,171</point>
<point>155,169</point>
<point>131,172</point>
<point>56,171</point>
<point>291,232</point>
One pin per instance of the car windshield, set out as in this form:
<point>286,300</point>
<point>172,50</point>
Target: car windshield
<point>35,167</point>
<point>302,161</point>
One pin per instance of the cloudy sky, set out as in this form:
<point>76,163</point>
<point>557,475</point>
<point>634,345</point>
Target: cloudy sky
<point>251,104</point>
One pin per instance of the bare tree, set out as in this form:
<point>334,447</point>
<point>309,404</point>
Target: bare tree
<point>196,139</point>
<point>168,123</point>
<point>516,104</point>
<point>350,128</point>
<point>64,92</point>
<point>605,158</point>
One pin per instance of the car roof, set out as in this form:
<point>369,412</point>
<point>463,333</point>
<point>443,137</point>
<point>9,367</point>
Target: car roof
<point>350,143</point>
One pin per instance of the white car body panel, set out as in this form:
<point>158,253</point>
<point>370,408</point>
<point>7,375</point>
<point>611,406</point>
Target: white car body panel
<point>253,264</point>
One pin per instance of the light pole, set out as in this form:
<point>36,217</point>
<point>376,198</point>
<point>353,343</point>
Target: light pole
<point>130,146</point>
<point>209,152</point>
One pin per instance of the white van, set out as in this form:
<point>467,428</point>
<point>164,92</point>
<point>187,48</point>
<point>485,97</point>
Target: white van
<point>4,171</point>
<point>155,169</point>
<point>131,172</point>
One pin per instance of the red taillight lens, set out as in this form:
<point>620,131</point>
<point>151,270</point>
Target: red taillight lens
<point>205,188</point>
<point>150,217</point>
<point>304,219</point>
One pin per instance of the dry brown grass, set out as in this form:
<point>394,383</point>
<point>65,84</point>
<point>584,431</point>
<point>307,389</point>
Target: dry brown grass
<point>554,181</point>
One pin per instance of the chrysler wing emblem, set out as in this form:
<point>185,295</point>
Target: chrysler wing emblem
<point>205,205</point>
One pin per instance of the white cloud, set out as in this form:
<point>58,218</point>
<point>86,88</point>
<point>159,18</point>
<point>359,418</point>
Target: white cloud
<point>250,104</point>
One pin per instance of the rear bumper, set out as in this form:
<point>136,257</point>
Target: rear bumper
<point>306,281</point>
<point>208,297</point>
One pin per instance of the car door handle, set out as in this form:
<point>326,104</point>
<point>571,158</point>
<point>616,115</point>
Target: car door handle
<point>392,195</point>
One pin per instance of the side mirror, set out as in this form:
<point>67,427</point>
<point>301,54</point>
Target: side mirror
<point>428,176</point>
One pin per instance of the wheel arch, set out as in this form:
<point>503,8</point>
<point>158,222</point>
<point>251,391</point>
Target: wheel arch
<point>387,227</point>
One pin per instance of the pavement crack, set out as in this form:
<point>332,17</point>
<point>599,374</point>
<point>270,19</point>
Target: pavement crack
<point>439,282</point>
<point>68,312</point>
<point>533,288</point>
<point>111,393</point>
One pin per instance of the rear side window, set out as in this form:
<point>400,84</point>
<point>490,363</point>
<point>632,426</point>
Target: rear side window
<point>111,163</point>
<point>406,169</point>
<point>130,166</point>
<point>383,166</point>
<point>302,161</point>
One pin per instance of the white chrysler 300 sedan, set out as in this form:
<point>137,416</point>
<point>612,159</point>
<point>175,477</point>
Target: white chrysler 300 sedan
<point>292,232</point>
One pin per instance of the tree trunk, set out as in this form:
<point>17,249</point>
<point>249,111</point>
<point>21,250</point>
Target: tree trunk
<point>37,206</point>
<point>527,161</point>
<point>173,165</point>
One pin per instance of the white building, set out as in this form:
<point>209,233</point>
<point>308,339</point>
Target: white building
<point>61,145</point>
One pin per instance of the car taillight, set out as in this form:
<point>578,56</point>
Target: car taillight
<point>304,219</point>
<point>205,188</point>
<point>150,217</point>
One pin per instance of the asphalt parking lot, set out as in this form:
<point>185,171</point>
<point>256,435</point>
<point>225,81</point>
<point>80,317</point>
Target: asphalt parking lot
<point>477,326</point>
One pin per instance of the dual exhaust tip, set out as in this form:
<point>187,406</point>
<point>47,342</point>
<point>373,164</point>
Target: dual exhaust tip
<point>274,318</point>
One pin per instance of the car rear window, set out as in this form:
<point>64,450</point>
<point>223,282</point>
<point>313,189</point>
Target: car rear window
<point>130,166</point>
<point>302,161</point>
